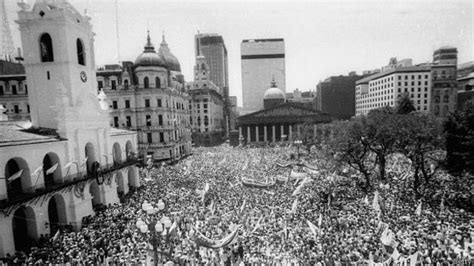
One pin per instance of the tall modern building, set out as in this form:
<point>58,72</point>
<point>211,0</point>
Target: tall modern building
<point>212,47</point>
<point>262,60</point>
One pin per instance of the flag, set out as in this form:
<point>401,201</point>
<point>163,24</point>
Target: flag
<point>375,202</point>
<point>83,162</point>
<point>257,225</point>
<point>211,208</point>
<point>387,237</point>
<point>320,220</point>
<point>294,206</point>
<point>173,228</point>
<point>418,209</point>
<point>15,175</point>
<point>68,165</point>
<point>52,169</point>
<point>243,206</point>
<point>441,207</point>
<point>312,227</point>
<point>55,237</point>
<point>366,200</point>
<point>222,162</point>
<point>38,171</point>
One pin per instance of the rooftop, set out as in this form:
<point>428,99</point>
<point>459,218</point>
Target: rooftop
<point>14,133</point>
<point>394,70</point>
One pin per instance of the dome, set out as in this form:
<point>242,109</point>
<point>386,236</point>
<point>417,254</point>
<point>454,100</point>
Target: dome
<point>169,59</point>
<point>149,57</point>
<point>274,92</point>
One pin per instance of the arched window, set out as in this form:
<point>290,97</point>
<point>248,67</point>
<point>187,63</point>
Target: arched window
<point>46,48</point>
<point>203,66</point>
<point>125,84</point>
<point>81,54</point>
<point>146,83</point>
<point>157,82</point>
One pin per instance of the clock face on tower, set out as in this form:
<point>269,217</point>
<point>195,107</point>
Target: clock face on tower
<point>83,76</point>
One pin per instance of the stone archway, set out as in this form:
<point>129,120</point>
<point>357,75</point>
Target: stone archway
<point>94,189</point>
<point>17,185</point>
<point>23,228</point>
<point>122,183</point>
<point>129,149</point>
<point>90,154</point>
<point>49,161</point>
<point>57,213</point>
<point>116,154</point>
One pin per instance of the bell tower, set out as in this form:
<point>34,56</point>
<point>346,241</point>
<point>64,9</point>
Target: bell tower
<point>58,43</point>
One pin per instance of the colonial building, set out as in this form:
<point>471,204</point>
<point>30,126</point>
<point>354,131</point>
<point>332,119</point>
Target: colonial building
<point>68,159</point>
<point>207,107</point>
<point>279,120</point>
<point>148,96</point>
<point>14,91</point>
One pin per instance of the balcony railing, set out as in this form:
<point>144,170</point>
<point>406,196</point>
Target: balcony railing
<point>71,180</point>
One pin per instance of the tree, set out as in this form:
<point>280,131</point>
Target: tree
<point>419,138</point>
<point>459,129</point>
<point>351,146</point>
<point>405,105</point>
<point>381,135</point>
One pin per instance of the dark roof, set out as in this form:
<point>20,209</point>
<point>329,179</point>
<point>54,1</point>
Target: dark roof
<point>10,68</point>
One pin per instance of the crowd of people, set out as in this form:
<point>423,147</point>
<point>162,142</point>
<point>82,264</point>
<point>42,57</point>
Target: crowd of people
<point>325,220</point>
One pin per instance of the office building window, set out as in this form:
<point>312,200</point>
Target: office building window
<point>159,102</point>
<point>114,105</point>
<point>1,90</point>
<point>100,84</point>
<point>160,120</point>
<point>129,121</point>
<point>162,137</point>
<point>147,102</point>
<point>127,104</point>
<point>116,121</point>
<point>114,85</point>
<point>149,137</point>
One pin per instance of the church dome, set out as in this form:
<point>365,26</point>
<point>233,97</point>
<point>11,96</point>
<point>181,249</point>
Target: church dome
<point>274,92</point>
<point>149,57</point>
<point>170,60</point>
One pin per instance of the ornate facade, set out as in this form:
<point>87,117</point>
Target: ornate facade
<point>148,96</point>
<point>207,107</point>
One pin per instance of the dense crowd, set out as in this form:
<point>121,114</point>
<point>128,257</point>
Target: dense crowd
<point>272,222</point>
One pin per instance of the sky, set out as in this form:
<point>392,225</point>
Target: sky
<point>322,38</point>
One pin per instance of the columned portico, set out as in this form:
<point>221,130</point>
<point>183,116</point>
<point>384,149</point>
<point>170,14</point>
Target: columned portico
<point>256,134</point>
<point>290,133</point>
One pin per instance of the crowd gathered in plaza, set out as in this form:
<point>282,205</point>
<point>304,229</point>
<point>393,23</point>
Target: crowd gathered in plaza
<point>294,211</point>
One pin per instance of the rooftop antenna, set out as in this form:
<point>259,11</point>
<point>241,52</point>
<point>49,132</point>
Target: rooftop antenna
<point>117,30</point>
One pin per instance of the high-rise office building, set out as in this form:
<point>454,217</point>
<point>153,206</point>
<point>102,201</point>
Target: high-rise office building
<point>212,47</point>
<point>262,60</point>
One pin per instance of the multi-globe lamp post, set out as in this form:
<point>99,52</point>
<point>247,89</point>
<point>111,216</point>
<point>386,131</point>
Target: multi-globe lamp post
<point>153,226</point>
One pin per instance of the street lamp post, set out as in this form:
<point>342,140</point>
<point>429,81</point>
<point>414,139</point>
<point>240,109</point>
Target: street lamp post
<point>153,226</point>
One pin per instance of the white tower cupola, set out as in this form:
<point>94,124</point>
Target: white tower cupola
<point>58,45</point>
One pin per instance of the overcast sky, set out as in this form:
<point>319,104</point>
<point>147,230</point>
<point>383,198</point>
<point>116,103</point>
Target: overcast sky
<point>322,38</point>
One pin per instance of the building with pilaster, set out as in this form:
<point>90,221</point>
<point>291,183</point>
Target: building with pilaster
<point>54,169</point>
<point>148,96</point>
<point>207,107</point>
